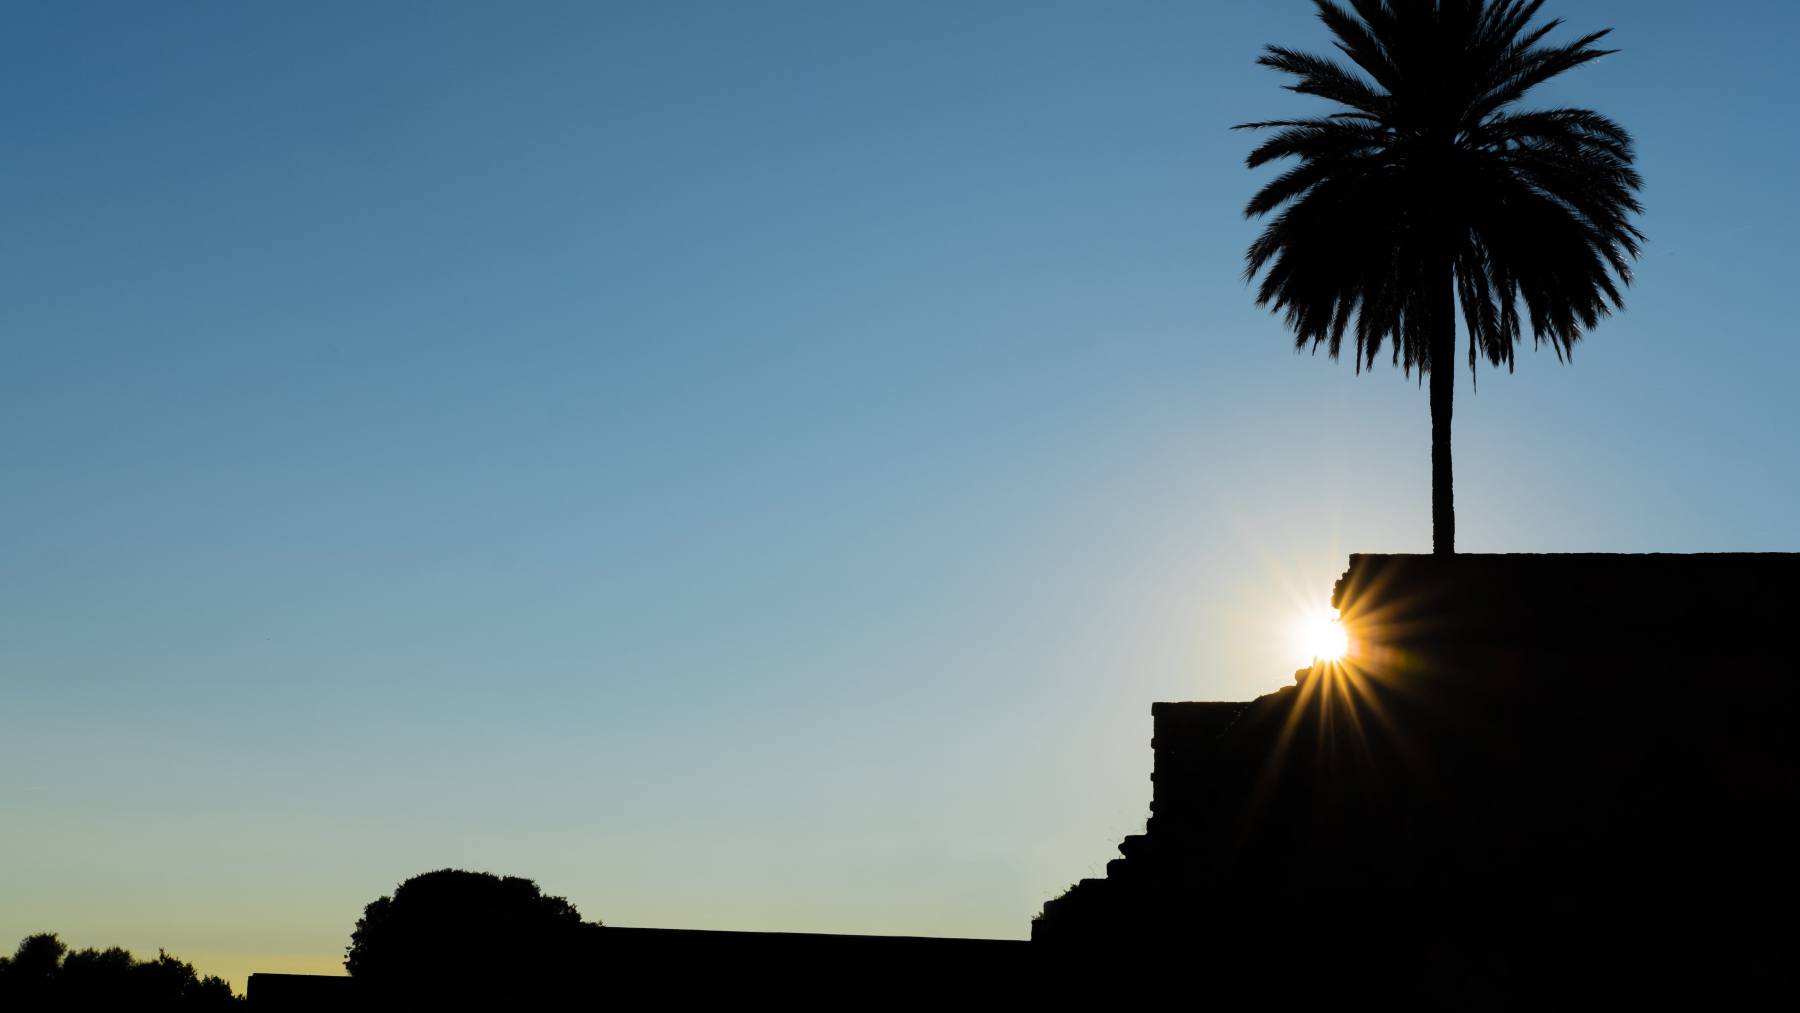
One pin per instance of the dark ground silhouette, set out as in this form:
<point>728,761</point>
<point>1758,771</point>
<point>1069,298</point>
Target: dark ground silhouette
<point>1539,781</point>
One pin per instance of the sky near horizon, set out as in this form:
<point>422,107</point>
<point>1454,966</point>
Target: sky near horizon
<point>741,465</point>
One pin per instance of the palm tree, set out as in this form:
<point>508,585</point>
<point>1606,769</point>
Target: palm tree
<point>1430,186</point>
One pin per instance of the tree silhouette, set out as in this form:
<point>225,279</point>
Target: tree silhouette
<point>1430,187</point>
<point>469,931</point>
<point>43,973</point>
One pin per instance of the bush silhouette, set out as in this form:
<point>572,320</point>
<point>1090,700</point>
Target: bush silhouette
<point>453,929</point>
<point>43,973</point>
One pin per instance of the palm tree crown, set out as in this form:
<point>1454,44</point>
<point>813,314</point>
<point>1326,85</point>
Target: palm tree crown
<point>1430,186</point>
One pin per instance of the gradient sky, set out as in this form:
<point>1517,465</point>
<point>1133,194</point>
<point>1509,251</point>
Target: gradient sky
<point>741,465</point>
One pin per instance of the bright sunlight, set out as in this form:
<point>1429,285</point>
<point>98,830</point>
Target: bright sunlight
<point>1319,635</point>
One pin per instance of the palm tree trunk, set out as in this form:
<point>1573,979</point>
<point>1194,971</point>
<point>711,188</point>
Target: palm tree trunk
<point>1443,390</point>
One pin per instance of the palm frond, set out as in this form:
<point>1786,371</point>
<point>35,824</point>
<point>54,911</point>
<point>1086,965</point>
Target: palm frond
<point>1324,78</point>
<point>1427,173</point>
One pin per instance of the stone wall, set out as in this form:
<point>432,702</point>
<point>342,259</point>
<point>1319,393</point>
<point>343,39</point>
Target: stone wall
<point>1531,770</point>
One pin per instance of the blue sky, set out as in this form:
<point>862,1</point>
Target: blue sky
<point>743,466</point>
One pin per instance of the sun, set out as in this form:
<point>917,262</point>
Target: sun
<point>1320,637</point>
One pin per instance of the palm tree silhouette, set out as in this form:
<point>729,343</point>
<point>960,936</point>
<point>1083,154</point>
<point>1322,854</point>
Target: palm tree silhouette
<point>1430,186</point>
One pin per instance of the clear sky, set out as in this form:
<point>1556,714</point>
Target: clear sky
<point>741,465</point>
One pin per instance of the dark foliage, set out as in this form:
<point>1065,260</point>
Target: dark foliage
<point>1430,186</point>
<point>43,973</point>
<point>1429,162</point>
<point>483,932</point>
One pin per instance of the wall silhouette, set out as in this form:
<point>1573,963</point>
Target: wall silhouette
<point>678,968</point>
<point>1537,776</point>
